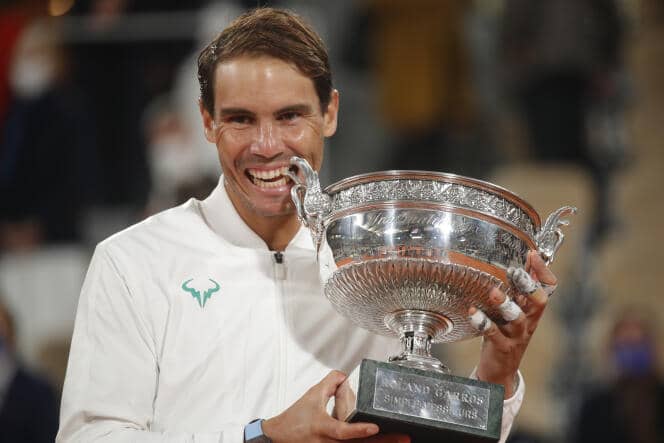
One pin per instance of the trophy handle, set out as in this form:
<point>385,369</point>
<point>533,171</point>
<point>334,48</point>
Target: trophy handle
<point>551,236</point>
<point>311,203</point>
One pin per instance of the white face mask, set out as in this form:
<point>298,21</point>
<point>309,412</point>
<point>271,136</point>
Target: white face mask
<point>172,164</point>
<point>31,77</point>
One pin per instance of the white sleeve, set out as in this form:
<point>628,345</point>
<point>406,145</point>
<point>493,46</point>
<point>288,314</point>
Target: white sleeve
<point>511,406</point>
<point>112,373</point>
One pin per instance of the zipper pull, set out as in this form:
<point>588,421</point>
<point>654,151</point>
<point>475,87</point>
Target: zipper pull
<point>279,269</point>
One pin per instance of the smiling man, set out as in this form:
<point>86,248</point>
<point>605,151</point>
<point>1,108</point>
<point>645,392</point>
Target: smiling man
<point>206,323</point>
<point>265,110</point>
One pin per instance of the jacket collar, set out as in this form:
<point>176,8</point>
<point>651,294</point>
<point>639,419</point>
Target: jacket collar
<point>222,217</point>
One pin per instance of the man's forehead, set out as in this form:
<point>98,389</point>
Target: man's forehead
<point>253,69</point>
<point>252,80</point>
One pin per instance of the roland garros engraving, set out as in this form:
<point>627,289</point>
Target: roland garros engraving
<point>430,398</point>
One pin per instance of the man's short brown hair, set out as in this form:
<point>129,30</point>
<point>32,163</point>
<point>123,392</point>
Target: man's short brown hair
<point>272,32</point>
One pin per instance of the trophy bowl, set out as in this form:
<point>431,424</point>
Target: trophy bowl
<point>407,253</point>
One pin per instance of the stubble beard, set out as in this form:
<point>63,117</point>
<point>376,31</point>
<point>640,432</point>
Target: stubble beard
<point>284,209</point>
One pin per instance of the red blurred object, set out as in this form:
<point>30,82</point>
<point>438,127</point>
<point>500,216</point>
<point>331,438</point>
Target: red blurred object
<point>12,22</point>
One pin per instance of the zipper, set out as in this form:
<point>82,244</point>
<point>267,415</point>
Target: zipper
<point>279,278</point>
<point>279,268</point>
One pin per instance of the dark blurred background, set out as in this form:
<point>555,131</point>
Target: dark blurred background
<point>561,101</point>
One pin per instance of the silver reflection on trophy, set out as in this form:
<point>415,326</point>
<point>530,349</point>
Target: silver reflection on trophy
<point>406,253</point>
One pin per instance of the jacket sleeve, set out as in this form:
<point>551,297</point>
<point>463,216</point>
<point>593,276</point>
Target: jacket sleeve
<point>112,373</point>
<point>511,406</point>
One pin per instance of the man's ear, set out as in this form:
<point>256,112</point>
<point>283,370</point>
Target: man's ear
<point>330,115</point>
<point>208,122</point>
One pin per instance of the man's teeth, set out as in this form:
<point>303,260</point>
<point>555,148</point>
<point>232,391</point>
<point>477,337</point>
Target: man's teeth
<point>258,177</point>
<point>274,184</point>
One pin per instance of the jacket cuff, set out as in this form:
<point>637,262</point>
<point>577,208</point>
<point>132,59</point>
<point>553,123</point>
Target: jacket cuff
<point>511,406</point>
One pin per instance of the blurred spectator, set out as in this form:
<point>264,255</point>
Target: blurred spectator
<point>14,16</point>
<point>12,21</point>
<point>422,70</point>
<point>47,151</point>
<point>180,159</point>
<point>122,74</point>
<point>28,408</point>
<point>182,163</point>
<point>175,165</point>
<point>631,408</point>
<point>563,65</point>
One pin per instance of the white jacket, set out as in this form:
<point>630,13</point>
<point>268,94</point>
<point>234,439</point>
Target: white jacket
<point>152,360</point>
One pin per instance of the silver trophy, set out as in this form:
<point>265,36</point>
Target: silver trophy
<point>405,254</point>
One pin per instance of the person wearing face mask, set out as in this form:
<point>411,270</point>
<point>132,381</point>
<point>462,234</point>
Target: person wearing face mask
<point>28,408</point>
<point>47,146</point>
<point>631,408</point>
<point>174,162</point>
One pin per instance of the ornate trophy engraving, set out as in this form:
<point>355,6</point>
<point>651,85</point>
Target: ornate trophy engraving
<point>405,254</point>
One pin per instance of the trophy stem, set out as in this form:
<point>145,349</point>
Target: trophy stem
<point>416,330</point>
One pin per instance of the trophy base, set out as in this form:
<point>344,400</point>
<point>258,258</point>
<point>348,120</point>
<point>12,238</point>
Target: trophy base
<point>428,406</point>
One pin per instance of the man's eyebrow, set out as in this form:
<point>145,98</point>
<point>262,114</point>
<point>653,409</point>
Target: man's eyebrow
<point>301,108</point>
<point>234,111</point>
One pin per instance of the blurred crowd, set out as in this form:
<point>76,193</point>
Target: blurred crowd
<point>100,127</point>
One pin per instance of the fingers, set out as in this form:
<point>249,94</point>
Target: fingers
<point>522,280</point>
<point>503,345</point>
<point>542,273</point>
<point>340,430</point>
<point>386,438</point>
<point>329,384</point>
<point>509,310</point>
<point>549,289</point>
<point>511,313</point>
<point>540,270</point>
<point>537,295</point>
<point>331,427</point>
<point>479,320</point>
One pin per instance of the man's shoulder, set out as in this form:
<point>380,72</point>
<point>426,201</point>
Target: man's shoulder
<point>169,228</point>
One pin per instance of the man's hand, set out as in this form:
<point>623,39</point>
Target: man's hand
<point>504,345</point>
<point>307,421</point>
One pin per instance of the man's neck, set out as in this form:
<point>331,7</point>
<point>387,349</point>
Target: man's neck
<point>277,232</point>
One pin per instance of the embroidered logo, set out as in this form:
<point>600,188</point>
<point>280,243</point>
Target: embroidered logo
<point>197,294</point>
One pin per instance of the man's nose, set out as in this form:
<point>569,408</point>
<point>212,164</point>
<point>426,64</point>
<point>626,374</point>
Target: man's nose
<point>268,141</point>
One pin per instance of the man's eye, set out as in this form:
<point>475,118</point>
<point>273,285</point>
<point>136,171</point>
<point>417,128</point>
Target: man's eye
<point>292,115</point>
<point>239,119</point>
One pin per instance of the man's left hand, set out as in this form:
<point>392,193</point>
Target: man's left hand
<point>504,345</point>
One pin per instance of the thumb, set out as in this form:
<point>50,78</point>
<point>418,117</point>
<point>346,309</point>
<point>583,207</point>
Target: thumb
<point>340,430</point>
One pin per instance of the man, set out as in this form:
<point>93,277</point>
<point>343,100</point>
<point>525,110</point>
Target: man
<point>203,318</point>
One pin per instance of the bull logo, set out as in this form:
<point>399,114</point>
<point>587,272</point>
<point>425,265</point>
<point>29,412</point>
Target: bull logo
<point>197,294</point>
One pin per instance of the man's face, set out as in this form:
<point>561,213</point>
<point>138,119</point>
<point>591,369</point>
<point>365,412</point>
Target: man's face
<point>265,111</point>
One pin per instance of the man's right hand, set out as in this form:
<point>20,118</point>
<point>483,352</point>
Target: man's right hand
<point>307,420</point>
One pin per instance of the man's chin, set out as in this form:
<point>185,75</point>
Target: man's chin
<point>281,208</point>
<point>262,205</point>
<point>277,212</point>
